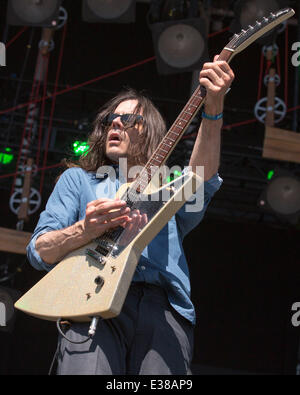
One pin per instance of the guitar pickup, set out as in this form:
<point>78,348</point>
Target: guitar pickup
<point>103,250</point>
<point>95,255</point>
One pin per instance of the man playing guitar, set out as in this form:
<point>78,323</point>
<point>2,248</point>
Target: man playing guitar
<point>153,334</point>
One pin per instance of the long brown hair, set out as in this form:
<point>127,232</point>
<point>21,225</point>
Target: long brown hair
<point>154,128</point>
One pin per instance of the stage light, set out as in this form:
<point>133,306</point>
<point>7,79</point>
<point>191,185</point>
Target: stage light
<point>32,12</point>
<point>6,157</point>
<point>112,11</point>
<point>282,196</point>
<point>172,176</point>
<point>179,45</point>
<point>80,147</point>
<point>8,297</point>
<point>270,174</point>
<point>179,35</point>
<point>247,12</point>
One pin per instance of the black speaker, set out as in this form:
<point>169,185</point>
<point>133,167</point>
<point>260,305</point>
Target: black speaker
<point>32,13</point>
<point>180,46</point>
<point>107,11</point>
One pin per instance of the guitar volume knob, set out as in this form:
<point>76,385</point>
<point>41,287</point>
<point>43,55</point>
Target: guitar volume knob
<point>99,281</point>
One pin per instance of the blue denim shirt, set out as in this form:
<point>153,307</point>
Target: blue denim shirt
<point>162,263</point>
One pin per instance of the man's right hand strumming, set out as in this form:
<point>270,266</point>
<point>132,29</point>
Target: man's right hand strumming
<point>101,215</point>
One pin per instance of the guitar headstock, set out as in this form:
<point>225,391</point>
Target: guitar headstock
<point>246,37</point>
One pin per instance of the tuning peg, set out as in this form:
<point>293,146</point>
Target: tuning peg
<point>258,23</point>
<point>251,27</point>
<point>272,15</point>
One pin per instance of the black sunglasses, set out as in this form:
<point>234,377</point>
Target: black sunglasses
<point>126,119</point>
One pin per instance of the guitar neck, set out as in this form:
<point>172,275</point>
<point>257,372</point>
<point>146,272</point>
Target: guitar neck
<point>175,133</point>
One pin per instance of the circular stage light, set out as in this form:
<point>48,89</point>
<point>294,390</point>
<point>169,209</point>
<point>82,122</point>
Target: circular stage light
<point>109,9</point>
<point>181,45</point>
<point>33,11</point>
<point>283,195</point>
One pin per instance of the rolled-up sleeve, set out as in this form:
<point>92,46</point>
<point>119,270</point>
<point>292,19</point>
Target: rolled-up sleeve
<point>61,211</point>
<point>188,219</point>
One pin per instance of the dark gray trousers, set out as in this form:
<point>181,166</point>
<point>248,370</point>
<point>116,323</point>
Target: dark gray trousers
<point>147,338</point>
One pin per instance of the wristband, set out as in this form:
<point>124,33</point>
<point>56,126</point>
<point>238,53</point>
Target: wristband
<point>212,117</point>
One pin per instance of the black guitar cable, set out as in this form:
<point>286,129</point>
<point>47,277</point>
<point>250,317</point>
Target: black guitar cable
<point>91,333</point>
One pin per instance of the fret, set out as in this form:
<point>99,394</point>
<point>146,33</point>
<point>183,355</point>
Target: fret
<point>190,113</point>
<point>163,143</point>
<point>179,127</point>
<point>197,100</point>
<point>182,119</point>
<point>157,160</point>
<point>164,150</point>
<point>167,137</point>
<point>196,105</point>
<point>197,95</point>
<point>169,144</point>
<point>172,131</point>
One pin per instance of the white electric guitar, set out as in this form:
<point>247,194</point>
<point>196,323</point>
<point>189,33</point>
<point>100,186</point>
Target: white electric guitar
<point>93,281</point>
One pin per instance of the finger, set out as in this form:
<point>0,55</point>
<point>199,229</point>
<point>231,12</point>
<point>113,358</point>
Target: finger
<point>113,224</point>
<point>141,222</point>
<point>132,227</point>
<point>103,219</point>
<point>207,84</point>
<point>222,68</point>
<point>104,207</point>
<point>126,235</point>
<point>144,220</point>
<point>228,74</point>
<point>97,201</point>
<point>219,68</point>
<point>213,77</point>
<point>92,210</point>
<point>114,214</point>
